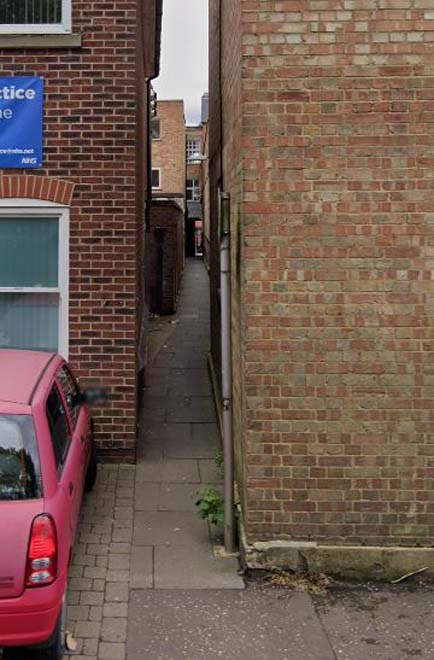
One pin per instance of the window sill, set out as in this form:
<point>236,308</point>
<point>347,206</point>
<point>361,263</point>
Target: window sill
<point>41,41</point>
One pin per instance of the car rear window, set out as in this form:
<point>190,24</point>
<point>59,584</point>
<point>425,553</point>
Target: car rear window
<point>20,473</point>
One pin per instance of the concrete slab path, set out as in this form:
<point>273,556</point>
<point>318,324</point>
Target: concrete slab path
<point>172,547</point>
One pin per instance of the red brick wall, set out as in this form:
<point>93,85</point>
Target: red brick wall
<point>167,255</point>
<point>337,219</point>
<point>90,140</point>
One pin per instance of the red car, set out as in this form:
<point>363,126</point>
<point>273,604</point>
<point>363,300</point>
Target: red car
<point>47,460</point>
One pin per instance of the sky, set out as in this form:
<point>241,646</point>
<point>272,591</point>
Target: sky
<point>184,54</point>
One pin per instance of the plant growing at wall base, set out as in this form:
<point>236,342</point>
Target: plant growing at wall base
<point>210,506</point>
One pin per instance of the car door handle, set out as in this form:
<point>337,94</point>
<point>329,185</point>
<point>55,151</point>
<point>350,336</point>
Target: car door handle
<point>71,487</point>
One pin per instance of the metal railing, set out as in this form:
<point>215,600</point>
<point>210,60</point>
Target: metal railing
<point>30,12</point>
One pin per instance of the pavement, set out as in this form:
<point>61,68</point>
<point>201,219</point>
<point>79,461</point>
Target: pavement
<point>145,584</point>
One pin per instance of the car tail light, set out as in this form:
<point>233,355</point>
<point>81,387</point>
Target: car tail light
<point>42,554</point>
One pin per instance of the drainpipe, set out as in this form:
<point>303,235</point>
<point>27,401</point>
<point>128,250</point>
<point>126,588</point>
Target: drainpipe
<point>228,449</point>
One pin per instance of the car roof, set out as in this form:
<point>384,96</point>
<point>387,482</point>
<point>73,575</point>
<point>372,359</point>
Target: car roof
<point>20,373</point>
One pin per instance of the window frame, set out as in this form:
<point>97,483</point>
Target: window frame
<point>197,152</point>
<point>28,209</point>
<point>156,169</point>
<point>65,27</point>
<point>194,188</point>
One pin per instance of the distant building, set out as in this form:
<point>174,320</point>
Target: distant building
<point>193,190</point>
<point>196,174</point>
<point>168,152</point>
<point>167,219</point>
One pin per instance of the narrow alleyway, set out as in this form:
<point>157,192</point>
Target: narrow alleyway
<point>172,547</point>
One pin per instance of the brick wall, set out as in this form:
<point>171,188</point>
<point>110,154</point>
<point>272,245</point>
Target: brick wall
<point>226,174</point>
<point>167,255</point>
<point>92,99</point>
<point>336,303</point>
<point>168,153</point>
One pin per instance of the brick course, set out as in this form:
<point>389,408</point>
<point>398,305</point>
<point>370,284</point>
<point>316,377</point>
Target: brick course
<point>332,284</point>
<point>94,142</point>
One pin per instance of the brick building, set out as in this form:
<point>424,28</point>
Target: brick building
<point>72,231</point>
<point>168,151</point>
<point>195,182</point>
<point>322,134</point>
<point>168,206</point>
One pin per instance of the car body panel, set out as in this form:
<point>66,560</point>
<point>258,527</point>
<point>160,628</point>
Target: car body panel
<point>20,372</point>
<point>31,618</point>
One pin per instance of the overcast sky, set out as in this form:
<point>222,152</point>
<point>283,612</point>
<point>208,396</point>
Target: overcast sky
<point>184,54</point>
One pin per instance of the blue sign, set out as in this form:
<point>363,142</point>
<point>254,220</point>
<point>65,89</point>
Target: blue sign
<point>21,120</point>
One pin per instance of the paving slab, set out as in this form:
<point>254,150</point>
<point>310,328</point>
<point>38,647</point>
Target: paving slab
<point>142,567</point>
<point>170,528</point>
<point>178,497</point>
<point>209,472</point>
<point>193,409</point>
<point>171,471</point>
<point>146,496</point>
<point>184,568</point>
<point>238,625</point>
<point>156,431</point>
<point>379,623</point>
<point>190,381</point>
<point>202,443</point>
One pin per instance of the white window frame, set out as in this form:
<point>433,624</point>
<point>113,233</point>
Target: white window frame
<point>192,152</point>
<point>65,27</point>
<point>31,208</point>
<point>156,169</point>
<point>196,192</point>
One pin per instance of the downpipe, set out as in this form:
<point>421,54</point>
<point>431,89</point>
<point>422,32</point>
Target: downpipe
<point>226,349</point>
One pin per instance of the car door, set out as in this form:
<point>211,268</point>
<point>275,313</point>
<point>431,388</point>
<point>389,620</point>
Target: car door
<point>66,452</point>
<point>79,421</point>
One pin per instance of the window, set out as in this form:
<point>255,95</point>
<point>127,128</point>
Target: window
<point>194,149</point>
<point>193,190</point>
<point>20,472</point>
<point>155,129</point>
<point>71,393</point>
<point>34,279</point>
<point>59,429</point>
<point>156,178</point>
<point>35,16</point>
